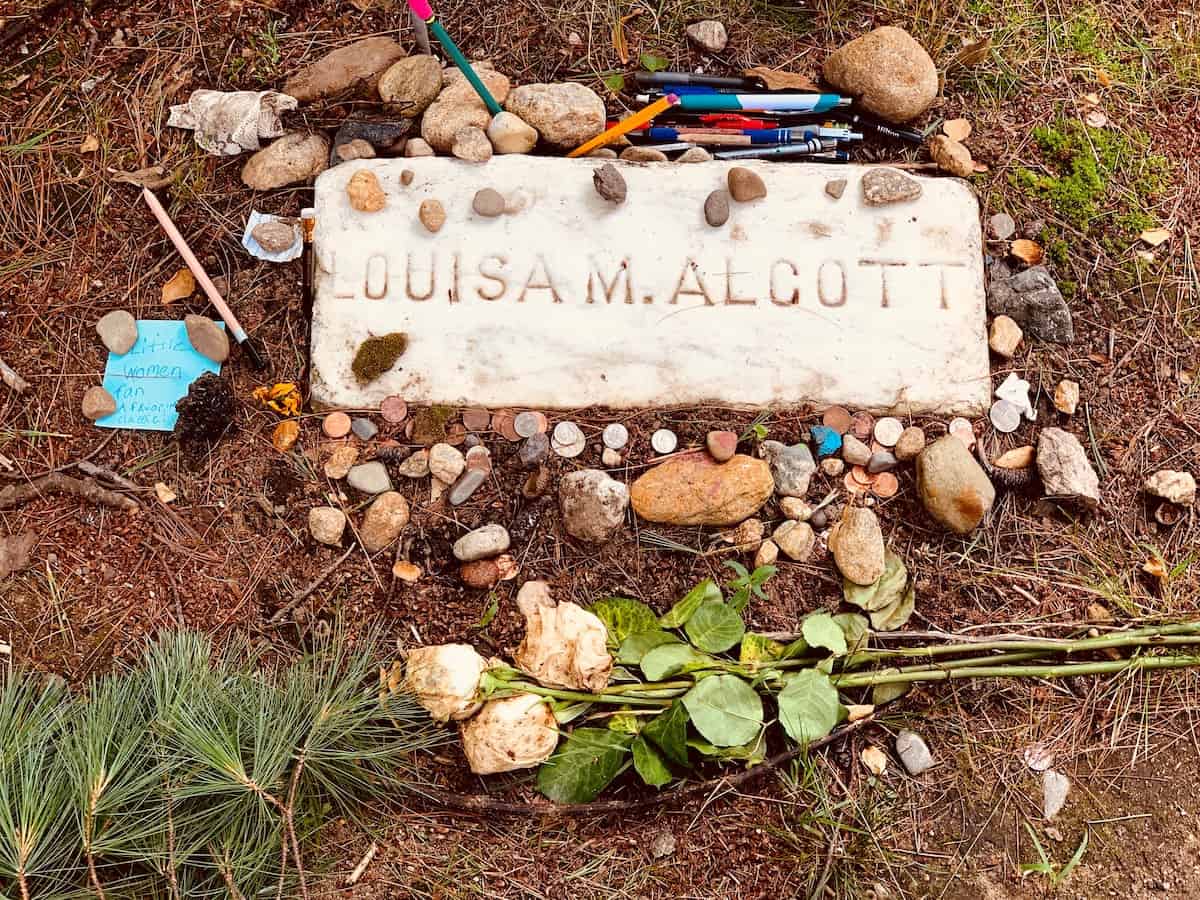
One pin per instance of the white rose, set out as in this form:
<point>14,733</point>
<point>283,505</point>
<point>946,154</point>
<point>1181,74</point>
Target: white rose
<point>518,732</point>
<point>445,679</point>
<point>565,645</point>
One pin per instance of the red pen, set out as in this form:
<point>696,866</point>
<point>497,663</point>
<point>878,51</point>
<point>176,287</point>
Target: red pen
<point>725,120</point>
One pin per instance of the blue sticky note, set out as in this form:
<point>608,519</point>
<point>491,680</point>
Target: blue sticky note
<point>156,372</point>
<point>827,439</point>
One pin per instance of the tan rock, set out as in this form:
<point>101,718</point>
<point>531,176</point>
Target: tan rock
<point>416,147</point>
<point>1004,337</point>
<point>355,68</point>
<point>643,154</point>
<point>954,488</point>
<point>326,524</point>
<point>458,107</point>
<point>384,520</point>
<point>294,158</point>
<point>564,114</point>
<point>856,543</point>
<point>951,156</point>
<point>341,461</point>
<point>365,192</point>
<point>471,145</point>
<point>767,555</point>
<point>1066,397</point>
<point>411,84</point>
<point>359,148</point>
<point>888,71</point>
<point>1016,458</point>
<point>1172,486</point>
<point>432,215</point>
<point>910,443</point>
<point>745,185</point>
<point>795,539</point>
<point>693,489</point>
<point>207,338</point>
<point>98,403</point>
<point>509,133</point>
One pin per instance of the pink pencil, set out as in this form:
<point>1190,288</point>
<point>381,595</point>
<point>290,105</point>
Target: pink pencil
<point>214,296</point>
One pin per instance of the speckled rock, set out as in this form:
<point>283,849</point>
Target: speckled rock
<point>118,331</point>
<point>693,489</point>
<point>354,68</point>
<point>884,186</point>
<point>292,159</point>
<point>326,524</point>
<point>370,478</point>
<point>564,114</point>
<point>888,71</point>
<point>411,84</point>
<point>856,543</point>
<point>385,518</point>
<point>97,403</point>
<point>592,504</point>
<point>791,467</point>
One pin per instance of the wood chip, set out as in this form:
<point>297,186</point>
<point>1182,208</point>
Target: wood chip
<point>165,494</point>
<point>90,144</point>
<point>1155,236</point>
<point>956,129</point>
<point>181,285</point>
<point>974,52</point>
<point>1017,458</point>
<point>1029,252</point>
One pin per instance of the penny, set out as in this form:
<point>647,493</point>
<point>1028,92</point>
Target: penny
<point>862,424</point>
<point>851,485</point>
<point>476,418</point>
<point>394,409</point>
<point>504,423</point>
<point>336,425</point>
<point>886,484</point>
<point>529,423</point>
<point>568,440</point>
<point>664,441</point>
<point>615,436</point>
<point>837,418</point>
<point>888,430</point>
<point>1005,416</point>
<point>961,429</point>
<point>861,475</point>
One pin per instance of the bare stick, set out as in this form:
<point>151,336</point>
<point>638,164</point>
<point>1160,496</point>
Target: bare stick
<point>95,471</point>
<point>58,483</point>
<point>357,873</point>
<point>10,377</point>
<point>420,32</point>
<point>303,595</point>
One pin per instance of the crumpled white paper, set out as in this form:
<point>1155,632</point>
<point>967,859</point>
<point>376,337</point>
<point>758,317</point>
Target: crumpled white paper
<point>1015,390</point>
<point>227,123</point>
<point>258,251</point>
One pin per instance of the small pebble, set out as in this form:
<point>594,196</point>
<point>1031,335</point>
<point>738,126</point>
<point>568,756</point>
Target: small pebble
<point>207,338</point>
<point>819,519</point>
<point>767,555</point>
<point>881,462</point>
<point>432,215</point>
<point>394,409</point>
<point>568,440</point>
<point>1055,787</point>
<point>882,186</point>
<point>533,450</point>
<point>336,425</point>
<point>467,485</point>
<point>722,445</point>
<point>536,484</point>
<point>862,425</point>
<point>490,540</point>
<point>285,435</point>
<point>481,574</point>
<point>358,148</point>
<point>1002,226</point>
<point>888,431</point>
<point>610,183</point>
<point>603,153</point>
<point>836,188</point>
<point>406,178</point>
<point>615,436</point>
<point>98,403</point>
<point>488,203</point>
<point>795,508</point>
<point>610,457</point>
<point>643,154</point>
<point>370,478</point>
<point>471,144</point>
<point>1066,397</point>
<point>415,147</point>
<point>326,524</point>
<point>446,462</point>
<point>364,429</point>
<point>479,458</point>
<point>274,236</point>
<point>416,466</point>
<point>913,752</point>
<point>694,155</point>
<point>664,441</point>
<point>855,451</point>
<point>745,185</point>
<point>1004,337</point>
<point>716,208</point>
<point>910,443</point>
<point>1005,416</point>
<point>832,466</point>
<point>118,331</point>
<point>828,440</point>
<point>529,423</point>
<point>340,461</point>
<point>364,192</point>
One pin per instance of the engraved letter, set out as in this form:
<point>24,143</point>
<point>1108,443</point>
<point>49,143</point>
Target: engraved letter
<point>730,299</point>
<point>883,264</point>
<point>408,279</point>
<point>829,291</point>
<point>699,291</point>
<point>610,286</point>
<point>942,279</point>
<point>546,285</point>
<point>775,296</point>
<point>375,285</point>
<point>500,276</point>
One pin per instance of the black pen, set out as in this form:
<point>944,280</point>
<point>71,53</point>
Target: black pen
<point>907,135</point>
<point>656,79</point>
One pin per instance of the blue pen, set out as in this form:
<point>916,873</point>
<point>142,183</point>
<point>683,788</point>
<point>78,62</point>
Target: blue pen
<point>780,103</point>
<point>756,135</point>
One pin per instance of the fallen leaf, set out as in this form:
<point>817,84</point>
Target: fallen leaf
<point>181,285</point>
<point>1095,118</point>
<point>1156,567</point>
<point>856,711</point>
<point>1155,236</point>
<point>283,397</point>
<point>956,129</point>
<point>1017,458</point>
<point>508,567</point>
<point>15,552</point>
<point>1103,77</point>
<point>285,435</point>
<point>164,493</point>
<point>90,144</point>
<point>1029,252</point>
<point>778,80</point>
<point>618,38</point>
<point>153,177</point>
<point>973,53</point>
<point>979,167</point>
<point>874,759</point>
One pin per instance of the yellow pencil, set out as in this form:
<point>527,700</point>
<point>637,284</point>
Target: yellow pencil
<point>637,120</point>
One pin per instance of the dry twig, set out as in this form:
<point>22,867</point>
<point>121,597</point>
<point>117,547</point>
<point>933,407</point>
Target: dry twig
<point>58,483</point>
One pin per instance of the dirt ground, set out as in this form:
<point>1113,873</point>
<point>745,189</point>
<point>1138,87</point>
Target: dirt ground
<point>234,547</point>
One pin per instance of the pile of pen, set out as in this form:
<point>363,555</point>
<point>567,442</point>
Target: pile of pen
<point>736,118</point>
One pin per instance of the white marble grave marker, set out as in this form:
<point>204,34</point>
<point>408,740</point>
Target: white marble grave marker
<point>570,301</point>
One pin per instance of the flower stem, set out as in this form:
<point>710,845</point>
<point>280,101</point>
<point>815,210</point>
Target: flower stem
<point>518,687</point>
<point>1061,670</point>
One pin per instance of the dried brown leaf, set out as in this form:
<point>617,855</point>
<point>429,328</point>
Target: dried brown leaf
<point>181,285</point>
<point>956,129</point>
<point>90,144</point>
<point>1156,567</point>
<point>1155,236</point>
<point>1029,252</point>
<point>778,80</point>
<point>974,53</point>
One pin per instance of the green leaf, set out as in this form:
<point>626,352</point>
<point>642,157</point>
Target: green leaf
<point>584,765</point>
<point>820,630</point>
<point>624,723</point>
<point>649,763</point>
<point>636,646</point>
<point>895,616</point>
<point>886,693</point>
<point>703,592</point>
<point>808,706</point>
<point>490,613</point>
<point>671,659</point>
<point>855,629</point>
<point>623,617</point>
<point>756,649</point>
<point>669,731</point>
<point>715,627</point>
<point>752,752</point>
<point>885,591</point>
<point>725,710</point>
<point>615,82</point>
<point>652,63</point>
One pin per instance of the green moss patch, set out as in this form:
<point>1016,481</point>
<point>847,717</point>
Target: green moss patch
<point>377,355</point>
<point>429,425</point>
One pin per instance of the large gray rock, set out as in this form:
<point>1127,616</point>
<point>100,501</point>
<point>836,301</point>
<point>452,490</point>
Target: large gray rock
<point>954,488</point>
<point>791,467</point>
<point>888,71</point>
<point>1031,299</point>
<point>294,158</point>
<point>411,84</point>
<point>355,67</point>
<point>564,114</point>
<point>592,504</point>
<point>1066,472</point>
<point>856,543</point>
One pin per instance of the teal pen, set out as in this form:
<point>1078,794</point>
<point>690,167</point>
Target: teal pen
<point>423,11</point>
<point>778,103</point>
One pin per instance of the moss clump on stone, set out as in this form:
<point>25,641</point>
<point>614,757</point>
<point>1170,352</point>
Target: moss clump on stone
<point>378,354</point>
<point>429,425</point>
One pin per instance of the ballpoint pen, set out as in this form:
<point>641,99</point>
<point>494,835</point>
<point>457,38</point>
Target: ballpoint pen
<point>777,103</point>
<point>658,79</point>
<point>424,12</point>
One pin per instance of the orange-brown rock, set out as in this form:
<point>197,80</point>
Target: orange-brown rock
<point>693,489</point>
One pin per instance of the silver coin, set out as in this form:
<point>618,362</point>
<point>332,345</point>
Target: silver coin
<point>1005,416</point>
<point>615,436</point>
<point>527,424</point>
<point>888,431</point>
<point>568,440</point>
<point>664,441</point>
